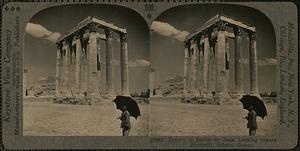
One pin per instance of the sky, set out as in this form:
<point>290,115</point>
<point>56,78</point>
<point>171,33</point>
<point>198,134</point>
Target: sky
<point>46,26</point>
<point>170,28</point>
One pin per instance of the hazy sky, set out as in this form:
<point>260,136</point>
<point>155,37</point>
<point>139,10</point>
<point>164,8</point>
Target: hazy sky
<point>40,50</point>
<point>167,47</point>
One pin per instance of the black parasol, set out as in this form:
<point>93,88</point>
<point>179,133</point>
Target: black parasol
<point>257,104</point>
<point>132,106</point>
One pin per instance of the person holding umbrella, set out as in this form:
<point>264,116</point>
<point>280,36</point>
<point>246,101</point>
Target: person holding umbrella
<point>125,121</point>
<point>251,125</point>
<point>256,107</point>
<point>129,107</point>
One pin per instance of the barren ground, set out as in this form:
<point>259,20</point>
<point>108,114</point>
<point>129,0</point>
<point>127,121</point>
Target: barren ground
<point>167,118</point>
<point>181,119</point>
<point>43,118</point>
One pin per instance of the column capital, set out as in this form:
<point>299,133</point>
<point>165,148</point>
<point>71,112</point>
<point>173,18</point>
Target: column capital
<point>59,45</point>
<point>221,25</point>
<point>196,38</point>
<point>123,37</point>
<point>187,44</point>
<point>237,31</point>
<point>92,27</point>
<point>192,40</point>
<point>206,34</point>
<point>78,34</point>
<point>68,39</point>
<point>252,35</point>
<point>108,32</point>
<point>64,42</point>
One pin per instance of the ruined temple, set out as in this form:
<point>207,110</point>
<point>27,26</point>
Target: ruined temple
<point>78,68</point>
<point>206,59</point>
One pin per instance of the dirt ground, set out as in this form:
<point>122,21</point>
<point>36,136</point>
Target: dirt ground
<point>181,119</point>
<point>43,118</point>
<point>167,118</point>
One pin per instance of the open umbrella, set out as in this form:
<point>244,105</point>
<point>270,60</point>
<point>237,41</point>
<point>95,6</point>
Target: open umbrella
<point>257,104</point>
<point>131,105</point>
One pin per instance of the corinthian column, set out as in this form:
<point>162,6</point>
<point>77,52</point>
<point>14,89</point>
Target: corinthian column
<point>212,67</point>
<point>206,63</point>
<point>186,68</point>
<point>200,68</point>
<point>84,67</point>
<point>72,80</point>
<point>58,71</point>
<point>190,70</point>
<point>238,64</point>
<point>67,58</point>
<point>194,68</point>
<point>253,64</point>
<point>92,61</point>
<point>124,65</point>
<point>221,63</point>
<point>99,64</point>
<point>109,62</point>
<point>78,63</point>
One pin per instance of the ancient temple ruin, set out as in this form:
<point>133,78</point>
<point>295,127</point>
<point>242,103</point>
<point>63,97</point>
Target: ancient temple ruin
<point>206,63</point>
<point>78,68</point>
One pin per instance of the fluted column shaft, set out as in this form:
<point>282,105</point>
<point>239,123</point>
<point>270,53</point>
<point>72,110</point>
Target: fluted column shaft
<point>189,70</point>
<point>201,68</point>
<point>58,72</point>
<point>238,62</point>
<point>226,79</point>
<point>195,69</point>
<point>253,64</point>
<point>124,66</point>
<point>78,64</point>
<point>72,69</point>
<point>206,62</point>
<point>99,82</point>
<point>109,62</point>
<point>92,62</point>
<point>220,56</point>
<point>67,60</point>
<point>186,68</point>
<point>84,66</point>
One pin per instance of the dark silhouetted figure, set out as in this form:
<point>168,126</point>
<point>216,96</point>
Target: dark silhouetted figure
<point>125,121</point>
<point>252,124</point>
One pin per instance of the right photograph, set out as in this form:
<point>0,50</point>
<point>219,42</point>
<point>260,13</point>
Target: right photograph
<point>213,72</point>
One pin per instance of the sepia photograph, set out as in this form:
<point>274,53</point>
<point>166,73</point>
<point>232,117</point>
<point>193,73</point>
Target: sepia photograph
<point>119,74</point>
<point>86,72</point>
<point>213,72</point>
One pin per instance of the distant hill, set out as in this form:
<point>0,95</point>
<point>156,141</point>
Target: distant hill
<point>172,86</point>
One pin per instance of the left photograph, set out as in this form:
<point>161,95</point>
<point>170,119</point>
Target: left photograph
<point>86,72</point>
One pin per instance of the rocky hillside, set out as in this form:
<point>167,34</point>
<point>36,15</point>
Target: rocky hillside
<point>171,87</point>
<point>43,87</point>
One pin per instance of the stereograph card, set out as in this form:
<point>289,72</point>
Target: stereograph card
<point>122,74</point>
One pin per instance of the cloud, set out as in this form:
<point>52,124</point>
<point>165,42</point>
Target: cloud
<point>262,62</point>
<point>139,63</point>
<point>40,31</point>
<point>168,30</point>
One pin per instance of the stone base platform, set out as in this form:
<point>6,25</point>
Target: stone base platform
<point>211,100</point>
